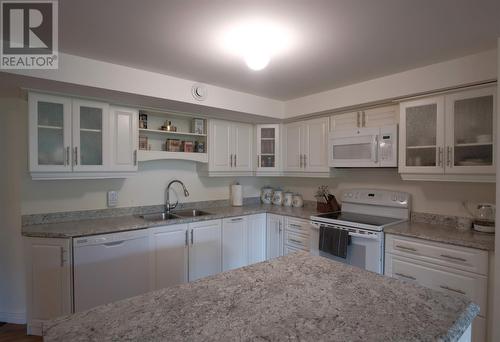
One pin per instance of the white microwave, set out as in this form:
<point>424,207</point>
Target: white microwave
<point>364,147</point>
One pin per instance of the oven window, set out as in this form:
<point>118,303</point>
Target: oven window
<point>352,151</point>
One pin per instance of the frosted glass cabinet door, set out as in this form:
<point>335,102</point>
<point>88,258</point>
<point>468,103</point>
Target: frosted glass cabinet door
<point>267,147</point>
<point>470,134</point>
<point>50,133</point>
<point>422,136</point>
<point>90,136</point>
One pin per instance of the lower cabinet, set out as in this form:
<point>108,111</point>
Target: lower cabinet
<point>442,267</point>
<point>274,236</point>
<point>205,249</point>
<point>48,280</point>
<point>169,257</point>
<point>256,238</point>
<point>296,235</point>
<point>234,242</point>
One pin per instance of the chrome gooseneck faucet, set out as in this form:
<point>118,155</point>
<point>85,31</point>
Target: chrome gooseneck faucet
<point>168,206</point>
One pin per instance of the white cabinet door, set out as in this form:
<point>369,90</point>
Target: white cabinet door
<point>241,142</point>
<point>293,141</point>
<point>124,138</point>
<point>49,133</point>
<point>315,148</point>
<point>470,132</point>
<point>49,285</point>
<point>421,143</point>
<point>256,238</point>
<point>169,255</point>
<point>268,147</point>
<point>234,242</point>
<point>380,117</point>
<point>219,145</point>
<point>345,121</point>
<point>205,249</point>
<point>91,148</point>
<point>274,236</point>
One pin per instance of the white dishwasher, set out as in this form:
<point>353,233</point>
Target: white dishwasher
<point>110,267</point>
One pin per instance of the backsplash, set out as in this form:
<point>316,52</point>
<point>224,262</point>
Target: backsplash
<point>438,219</point>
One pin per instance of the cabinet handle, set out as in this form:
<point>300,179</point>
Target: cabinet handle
<point>192,236</point>
<point>294,225</point>
<point>452,289</point>
<point>296,241</point>
<point>67,155</point>
<point>62,256</point>
<point>358,124</point>
<point>279,227</point>
<point>235,160</point>
<point>453,258</point>
<point>440,156</point>
<point>363,119</point>
<point>187,237</point>
<point>406,248</point>
<point>76,155</point>
<point>135,157</point>
<point>258,161</point>
<point>448,156</point>
<point>237,219</point>
<point>305,161</point>
<point>405,276</point>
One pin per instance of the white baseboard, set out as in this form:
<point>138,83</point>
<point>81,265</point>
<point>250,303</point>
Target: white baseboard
<point>13,317</point>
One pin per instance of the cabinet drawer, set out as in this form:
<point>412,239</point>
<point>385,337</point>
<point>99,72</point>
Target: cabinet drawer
<point>440,278</point>
<point>462,258</point>
<point>297,225</point>
<point>297,240</point>
<point>291,249</point>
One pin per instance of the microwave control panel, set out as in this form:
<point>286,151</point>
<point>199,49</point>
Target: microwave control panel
<point>388,143</point>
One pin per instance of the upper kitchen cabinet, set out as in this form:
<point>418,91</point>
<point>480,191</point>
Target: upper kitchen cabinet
<point>229,148</point>
<point>449,137</point>
<point>74,138</point>
<point>374,117</point>
<point>268,148</point>
<point>305,148</point>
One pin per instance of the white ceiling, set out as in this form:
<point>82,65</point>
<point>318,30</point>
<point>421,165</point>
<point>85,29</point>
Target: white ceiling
<point>338,42</point>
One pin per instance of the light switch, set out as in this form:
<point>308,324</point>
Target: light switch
<point>112,199</point>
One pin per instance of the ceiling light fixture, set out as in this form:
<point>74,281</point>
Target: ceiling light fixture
<point>256,40</point>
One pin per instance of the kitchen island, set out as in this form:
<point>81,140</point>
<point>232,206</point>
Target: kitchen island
<point>298,297</point>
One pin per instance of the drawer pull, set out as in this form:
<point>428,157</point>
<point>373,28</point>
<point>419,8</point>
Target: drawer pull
<point>294,225</point>
<point>405,276</point>
<point>237,219</point>
<point>451,289</point>
<point>406,248</point>
<point>296,241</point>
<point>453,258</point>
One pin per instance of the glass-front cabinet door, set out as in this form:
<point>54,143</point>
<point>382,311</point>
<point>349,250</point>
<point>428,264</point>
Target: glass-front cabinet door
<point>50,133</point>
<point>422,136</point>
<point>470,134</point>
<point>267,147</point>
<point>90,135</point>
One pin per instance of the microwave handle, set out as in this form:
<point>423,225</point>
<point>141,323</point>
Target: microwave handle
<point>375,149</point>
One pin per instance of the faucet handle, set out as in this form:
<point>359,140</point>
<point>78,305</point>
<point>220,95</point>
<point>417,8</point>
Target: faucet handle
<point>171,206</point>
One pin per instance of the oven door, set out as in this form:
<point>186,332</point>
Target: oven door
<point>366,248</point>
<point>354,148</point>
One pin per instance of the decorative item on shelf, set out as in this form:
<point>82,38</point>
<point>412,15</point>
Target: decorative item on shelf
<point>199,147</point>
<point>187,146</point>
<point>236,193</point>
<point>143,120</point>
<point>266,195</point>
<point>198,126</point>
<point>143,142</point>
<point>173,145</point>
<point>167,126</point>
<point>325,201</point>
<point>288,199</point>
<point>278,197</point>
<point>297,201</point>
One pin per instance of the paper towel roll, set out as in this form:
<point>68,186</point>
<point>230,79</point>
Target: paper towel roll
<point>236,195</point>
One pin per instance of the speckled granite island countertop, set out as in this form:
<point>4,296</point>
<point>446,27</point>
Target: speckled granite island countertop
<point>115,224</point>
<point>298,297</point>
<point>443,234</point>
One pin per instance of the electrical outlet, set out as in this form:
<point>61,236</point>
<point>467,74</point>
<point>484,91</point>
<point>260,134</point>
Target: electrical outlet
<point>112,199</point>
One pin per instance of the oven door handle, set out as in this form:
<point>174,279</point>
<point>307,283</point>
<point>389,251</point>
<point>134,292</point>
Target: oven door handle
<point>364,236</point>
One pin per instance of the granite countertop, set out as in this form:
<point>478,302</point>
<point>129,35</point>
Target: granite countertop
<point>87,227</point>
<point>297,297</point>
<point>444,234</point>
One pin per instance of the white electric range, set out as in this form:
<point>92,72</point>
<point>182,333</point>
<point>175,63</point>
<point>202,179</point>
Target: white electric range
<point>365,213</point>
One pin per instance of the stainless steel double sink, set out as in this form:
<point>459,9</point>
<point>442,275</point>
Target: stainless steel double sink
<point>174,215</point>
